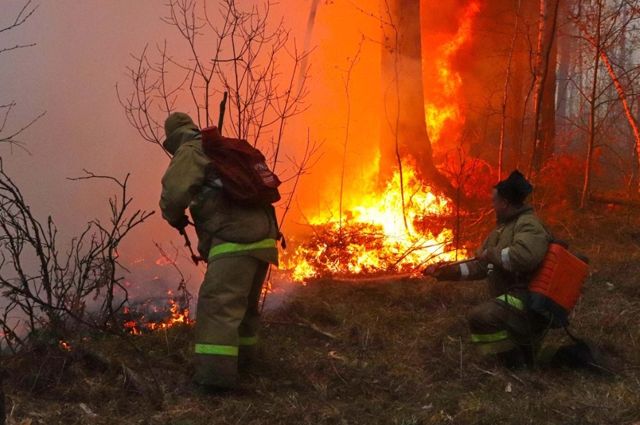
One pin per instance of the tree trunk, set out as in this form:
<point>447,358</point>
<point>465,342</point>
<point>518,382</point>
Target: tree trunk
<point>516,109</point>
<point>593,105</point>
<point>548,112</point>
<point>622,95</point>
<point>603,57</point>
<point>565,48</point>
<point>544,92</point>
<point>505,93</point>
<point>404,133</point>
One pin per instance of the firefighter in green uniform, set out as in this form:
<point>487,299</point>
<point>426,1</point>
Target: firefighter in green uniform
<point>238,243</point>
<point>508,258</point>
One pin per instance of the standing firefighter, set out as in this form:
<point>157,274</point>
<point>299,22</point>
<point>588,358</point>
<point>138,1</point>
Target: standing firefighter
<point>509,256</point>
<point>238,240</point>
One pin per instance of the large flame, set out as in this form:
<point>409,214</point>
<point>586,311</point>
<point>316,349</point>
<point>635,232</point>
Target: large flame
<point>389,229</point>
<point>375,234</point>
<point>443,108</point>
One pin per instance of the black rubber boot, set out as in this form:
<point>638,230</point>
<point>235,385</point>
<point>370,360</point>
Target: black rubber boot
<point>515,359</point>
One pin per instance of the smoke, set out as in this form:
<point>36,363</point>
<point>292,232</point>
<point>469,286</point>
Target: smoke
<point>83,50</point>
<point>307,38</point>
<point>81,53</point>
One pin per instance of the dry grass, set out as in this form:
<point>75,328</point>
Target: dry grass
<point>367,353</point>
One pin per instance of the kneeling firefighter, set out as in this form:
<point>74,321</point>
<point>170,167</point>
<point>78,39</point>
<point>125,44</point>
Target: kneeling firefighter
<point>529,297</point>
<point>237,239</point>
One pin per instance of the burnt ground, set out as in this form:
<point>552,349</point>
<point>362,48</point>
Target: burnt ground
<point>393,352</point>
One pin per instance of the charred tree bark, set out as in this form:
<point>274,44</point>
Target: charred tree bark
<point>404,132</point>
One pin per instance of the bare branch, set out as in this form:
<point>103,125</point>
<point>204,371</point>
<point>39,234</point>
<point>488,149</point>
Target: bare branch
<point>55,292</point>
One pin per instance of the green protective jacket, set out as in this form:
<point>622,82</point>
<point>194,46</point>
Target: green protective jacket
<point>224,228</point>
<point>515,249</point>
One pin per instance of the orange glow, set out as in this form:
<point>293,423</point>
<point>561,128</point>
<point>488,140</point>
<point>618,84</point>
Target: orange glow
<point>444,113</point>
<point>164,261</point>
<point>175,315</point>
<point>374,236</point>
<point>376,231</point>
<point>64,345</point>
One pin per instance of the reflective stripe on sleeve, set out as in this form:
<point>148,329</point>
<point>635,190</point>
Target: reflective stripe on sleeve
<point>217,350</point>
<point>229,247</point>
<point>506,260</point>
<point>464,270</point>
<point>512,301</point>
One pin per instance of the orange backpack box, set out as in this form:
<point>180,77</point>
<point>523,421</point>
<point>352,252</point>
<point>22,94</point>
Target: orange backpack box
<point>560,277</point>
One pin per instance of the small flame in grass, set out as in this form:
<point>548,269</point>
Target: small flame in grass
<point>64,345</point>
<point>175,315</point>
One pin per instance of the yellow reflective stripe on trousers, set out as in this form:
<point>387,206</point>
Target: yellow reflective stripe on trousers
<point>494,337</point>
<point>248,340</point>
<point>512,301</point>
<point>228,247</point>
<point>217,350</point>
<point>495,347</point>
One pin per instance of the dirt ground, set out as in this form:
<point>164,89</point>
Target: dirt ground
<point>391,352</point>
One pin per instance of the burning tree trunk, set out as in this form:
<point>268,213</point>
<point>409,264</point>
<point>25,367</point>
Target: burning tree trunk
<point>404,129</point>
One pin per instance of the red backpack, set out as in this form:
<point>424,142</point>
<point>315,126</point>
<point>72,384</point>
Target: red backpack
<point>246,178</point>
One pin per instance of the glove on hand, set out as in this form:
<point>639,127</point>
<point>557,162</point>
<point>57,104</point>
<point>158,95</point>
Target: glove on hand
<point>443,271</point>
<point>431,269</point>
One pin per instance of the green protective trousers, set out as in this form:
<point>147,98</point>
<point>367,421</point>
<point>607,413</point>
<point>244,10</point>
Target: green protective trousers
<point>503,324</point>
<point>227,318</point>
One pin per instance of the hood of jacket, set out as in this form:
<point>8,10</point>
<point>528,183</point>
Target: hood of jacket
<point>179,136</point>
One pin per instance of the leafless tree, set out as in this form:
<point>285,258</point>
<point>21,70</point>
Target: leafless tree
<point>11,136</point>
<point>241,52</point>
<point>232,50</point>
<point>53,287</point>
<point>600,26</point>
